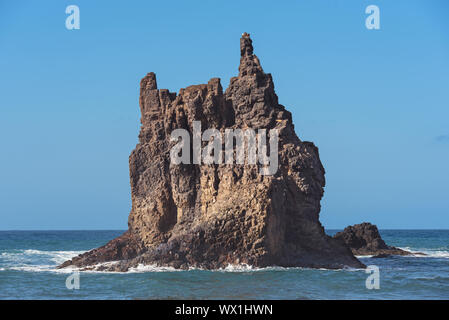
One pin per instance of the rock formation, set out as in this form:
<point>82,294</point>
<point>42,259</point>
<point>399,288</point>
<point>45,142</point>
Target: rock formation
<point>210,216</point>
<point>364,239</point>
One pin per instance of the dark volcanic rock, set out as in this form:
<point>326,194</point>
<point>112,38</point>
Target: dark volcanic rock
<point>364,239</point>
<point>210,216</point>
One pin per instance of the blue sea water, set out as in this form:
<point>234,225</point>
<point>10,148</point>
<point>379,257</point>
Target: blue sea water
<point>28,260</point>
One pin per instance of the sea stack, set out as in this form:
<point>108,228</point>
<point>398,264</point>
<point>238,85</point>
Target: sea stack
<point>214,215</point>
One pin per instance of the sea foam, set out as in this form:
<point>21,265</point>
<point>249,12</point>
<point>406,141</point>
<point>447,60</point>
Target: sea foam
<point>429,253</point>
<point>33,260</point>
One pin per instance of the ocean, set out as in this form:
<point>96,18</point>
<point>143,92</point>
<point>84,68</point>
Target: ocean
<point>28,260</point>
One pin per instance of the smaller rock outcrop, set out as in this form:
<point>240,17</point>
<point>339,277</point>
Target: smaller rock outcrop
<point>364,239</point>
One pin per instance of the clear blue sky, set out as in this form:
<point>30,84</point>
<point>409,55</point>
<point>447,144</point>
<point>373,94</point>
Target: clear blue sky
<point>375,102</point>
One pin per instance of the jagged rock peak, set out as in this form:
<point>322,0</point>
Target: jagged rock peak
<point>249,63</point>
<point>149,81</point>
<point>246,45</point>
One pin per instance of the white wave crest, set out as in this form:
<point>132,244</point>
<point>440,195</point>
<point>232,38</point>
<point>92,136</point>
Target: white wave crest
<point>36,260</point>
<point>248,268</point>
<point>428,253</point>
<point>152,268</point>
<point>33,260</point>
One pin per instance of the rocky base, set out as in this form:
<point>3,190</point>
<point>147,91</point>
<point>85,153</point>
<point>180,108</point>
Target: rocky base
<point>102,259</point>
<point>124,247</point>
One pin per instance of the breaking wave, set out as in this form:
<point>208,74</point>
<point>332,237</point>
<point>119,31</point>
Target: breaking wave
<point>35,260</point>
<point>32,260</point>
<point>429,253</point>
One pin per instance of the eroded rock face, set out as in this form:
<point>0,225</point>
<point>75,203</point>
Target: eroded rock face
<point>364,239</point>
<point>210,216</point>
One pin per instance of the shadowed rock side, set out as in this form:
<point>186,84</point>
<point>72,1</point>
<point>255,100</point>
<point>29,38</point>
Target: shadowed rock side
<point>210,216</point>
<point>364,239</point>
